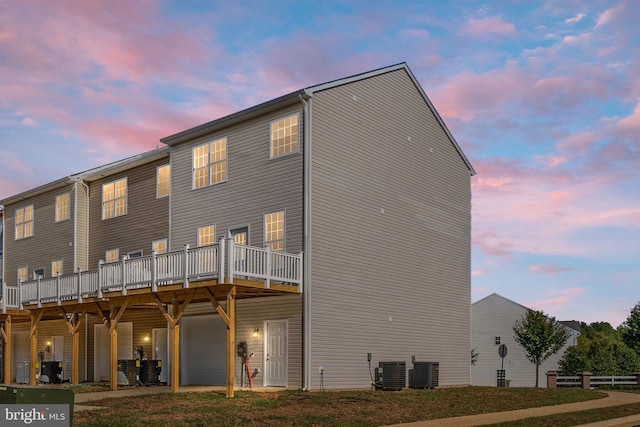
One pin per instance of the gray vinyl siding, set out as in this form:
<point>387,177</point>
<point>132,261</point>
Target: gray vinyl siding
<point>251,314</point>
<point>255,185</point>
<point>82,228</point>
<point>494,316</point>
<point>147,217</point>
<point>390,235</point>
<point>50,241</point>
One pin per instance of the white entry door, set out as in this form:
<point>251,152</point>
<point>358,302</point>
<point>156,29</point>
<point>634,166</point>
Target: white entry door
<point>275,374</point>
<point>102,348</point>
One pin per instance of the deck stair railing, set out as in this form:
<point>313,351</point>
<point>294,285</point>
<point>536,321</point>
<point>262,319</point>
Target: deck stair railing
<point>223,261</point>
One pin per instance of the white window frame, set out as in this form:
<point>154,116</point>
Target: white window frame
<point>108,255</point>
<point>160,242</point>
<point>268,240</point>
<point>55,269</point>
<point>163,182</point>
<point>115,199</point>
<point>36,273</point>
<point>63,207</point>
<point>135,254</point>
<point>497,340</point>
<point>212,234</point>
<point>24,222</point>
<point>279,130</point>
<point>204,163</point>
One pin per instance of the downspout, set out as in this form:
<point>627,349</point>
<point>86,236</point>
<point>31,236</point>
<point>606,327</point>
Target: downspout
<point>306,280</point>
<point>75,224</point>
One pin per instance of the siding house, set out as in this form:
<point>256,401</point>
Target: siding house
<point>310,237</point>
<point>492,320</point>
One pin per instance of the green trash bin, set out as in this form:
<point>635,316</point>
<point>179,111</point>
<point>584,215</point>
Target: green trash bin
<point>40,398</point>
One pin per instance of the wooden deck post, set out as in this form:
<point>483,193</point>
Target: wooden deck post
<point>33,335</point>
<point>231,341</point>
<point>173,320</point>
<point>6,336</point>
<point>73,323</point>
<point>175,351</point>
<point>113,330</point>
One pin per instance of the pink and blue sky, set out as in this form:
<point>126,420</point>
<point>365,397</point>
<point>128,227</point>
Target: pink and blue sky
<point>543,97</point>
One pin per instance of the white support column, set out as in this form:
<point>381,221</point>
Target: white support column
<point>221,260</point>
<point>232,260</point>
<point>100,266</point>
<point>79,284</point>
<point>58,301</point>
<point>124,276</point>
<point>185,265</point>
<point>268,281</point>
<point>154,271</point>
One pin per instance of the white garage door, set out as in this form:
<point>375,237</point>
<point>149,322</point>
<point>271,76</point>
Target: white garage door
<point>203,355</point>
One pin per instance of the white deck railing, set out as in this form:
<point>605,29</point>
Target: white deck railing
<point>224,261</point>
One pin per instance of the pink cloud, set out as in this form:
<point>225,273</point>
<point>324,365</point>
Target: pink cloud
<point>549,269</point>
<point>490,26</point>
<point>559,300</point>
<point>575,19</point>
<point>630,125</point>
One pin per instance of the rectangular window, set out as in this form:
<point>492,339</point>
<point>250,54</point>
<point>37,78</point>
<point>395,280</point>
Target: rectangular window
<point>497,340</point>
<point>284,136</point>
<point>56,267</point>
<point>38,273</point>
<point>112,255</point>
<point>159,246</point>
<point>63,211</point>
<point>206,235</point>
<point>24,222</point>
<point>114,198</point>
<point>210,163</point>
<point>274,230</point>
<point>163,181</point>
<point>22,274</point>
<point>206,260</point>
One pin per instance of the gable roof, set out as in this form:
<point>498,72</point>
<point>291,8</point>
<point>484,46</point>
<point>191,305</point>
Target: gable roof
<point>307,93</point>
<point>91,174</point>
<point>494,295</point>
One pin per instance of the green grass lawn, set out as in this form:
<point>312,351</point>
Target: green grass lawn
<point>343,408</point>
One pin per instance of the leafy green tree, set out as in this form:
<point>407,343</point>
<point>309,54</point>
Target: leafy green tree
<point>574,360</point>
<point>630,329</point>
<point>601,358</point>
<point>627,360</point>
<point>539,336</point>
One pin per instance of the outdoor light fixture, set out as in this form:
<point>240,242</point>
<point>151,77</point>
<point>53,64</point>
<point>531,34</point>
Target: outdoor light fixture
<point>256,331</point>
<point>146,338</point>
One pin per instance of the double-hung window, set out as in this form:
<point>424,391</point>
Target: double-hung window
<point>159,246</point>
<point>56,268</point>
<point>210,163</point>
<point>114,198</point>
<point>163,181</point>
<point>274,230</point>
<point>24,222</point>
<point>284,136</point>
<point>63,211</point>
<point>206,256</point>
<point>22,274</point>
<point>112,255</point>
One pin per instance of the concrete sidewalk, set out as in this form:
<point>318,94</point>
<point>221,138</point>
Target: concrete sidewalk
<point>615,398</point>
